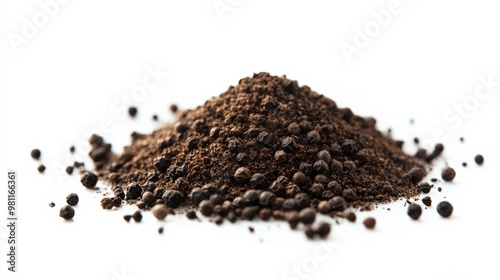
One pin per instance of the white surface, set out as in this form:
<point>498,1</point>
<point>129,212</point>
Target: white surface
<point>73,73</point>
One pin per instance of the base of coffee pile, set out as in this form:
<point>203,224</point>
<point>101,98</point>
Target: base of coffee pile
<point>266,148</point>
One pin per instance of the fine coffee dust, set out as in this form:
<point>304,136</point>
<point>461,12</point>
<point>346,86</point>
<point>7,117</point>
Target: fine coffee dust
<point>266,143</point>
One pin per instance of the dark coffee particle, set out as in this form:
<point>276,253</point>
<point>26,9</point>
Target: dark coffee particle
<point>307,216</point>
<point>41,168</point>
<point>69,170</point>
<point>137,216</point>
<point>88,179</point>
<point>440,189</point>
<point>479,159</point>
<point>155,117</point>
<point>191,214</point>
<point>72,199</point>
<point>52,204</point>
<point>206,208</point>
<point>370,223</point>
<point>309,231</point>
<point>251,229</point>
<point>293,219</point>
<point>351,217</point>
<point>427,201</point>
<point>67,212</point>
<point>173,108</point>
<point>414,211</point>
<point>35,153</point>
<point>218,220</point>
<point>444,208</point>
<point>160,230</point>
<point>323,229</point>
<point>132,111</point>
<point>416,140</point>
<point>464,164</point>
<point>127,218</point>
<point>434,180</point>
<point>242,175</point>
<point>448,174</point>
<point>425,187</point>
<point>72,149</point>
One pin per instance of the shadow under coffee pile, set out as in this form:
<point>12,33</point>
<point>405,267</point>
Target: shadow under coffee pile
<point>293,147</point>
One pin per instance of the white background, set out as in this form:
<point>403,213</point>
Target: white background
<point>70,76</point>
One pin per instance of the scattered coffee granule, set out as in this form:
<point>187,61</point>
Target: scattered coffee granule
<point>41,168</point>
<point>427,201</point>
<point>351,217</point>
<point>35,154</point>
<point>132,111</point>
<point>464,164</point>
<point>251,229</point>
<point>155,117</point>
<point>72,149</point>
<point>160,230</point>
<point>448,174</point>
<point>434,180</point>
<point>67,212</point>
<point>69,170</point>
<point>173,108</point>
<point>89,179</point>
<point>444,209</point>
<point>479,159</point>
<point>127,218</point>
<point>440,189</point>
<point>323,229</point>
<point>52,204</point>
<point>72,199</point>
<point>425,187</point>
<point>191,214</point>
<point>369,222</point>
<point>137,216</point>
<point>414,211</point>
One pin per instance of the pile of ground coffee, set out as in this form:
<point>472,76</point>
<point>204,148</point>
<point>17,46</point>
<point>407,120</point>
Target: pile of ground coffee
<point>263,148</point>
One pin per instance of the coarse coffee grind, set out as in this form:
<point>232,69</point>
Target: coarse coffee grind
<point>266,148</point>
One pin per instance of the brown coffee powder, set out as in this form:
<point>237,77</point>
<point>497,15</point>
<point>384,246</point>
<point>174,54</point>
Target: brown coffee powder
<point>294,147</point>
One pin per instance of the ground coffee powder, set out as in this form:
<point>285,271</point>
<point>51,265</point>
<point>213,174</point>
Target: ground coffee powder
<point>266,143</point>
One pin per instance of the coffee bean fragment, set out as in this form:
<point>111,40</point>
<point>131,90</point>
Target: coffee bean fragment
<point>289,145</point>
<point>72,149</point>
<point>427,201</point>
<point>242,175</point>
<point>414,211</point>
<point>448,174</point>
<point>424,187</point>
<point>369,223</point>
<point>35,153</point>
<point>69,170</point>
<point>348,146</point>
<point>132,111</point>
<point>280,156</point>
<point>137,216</point>
<point>444,208</point>
<point>191,214</point>
<point>307,216</point>
<point>52,204</point>
<point>67,212</point>
<point>174,108</point>
<point>160,230</point>
<point>351,217</point>
<point>72,199</point>
<point>479,159</point>
<point>160,211</point>
<point>323,229</point>
<point>206,208</point>
<point>88,179</point>
<point>41,168</point>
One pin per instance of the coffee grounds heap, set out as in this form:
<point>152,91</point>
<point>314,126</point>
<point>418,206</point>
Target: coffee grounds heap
<point>264,148</point>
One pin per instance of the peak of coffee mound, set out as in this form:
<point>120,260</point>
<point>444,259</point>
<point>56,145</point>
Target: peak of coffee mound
<point>266,143</point>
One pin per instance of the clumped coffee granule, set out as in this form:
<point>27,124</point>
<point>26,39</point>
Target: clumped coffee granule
<point>266,143</point>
